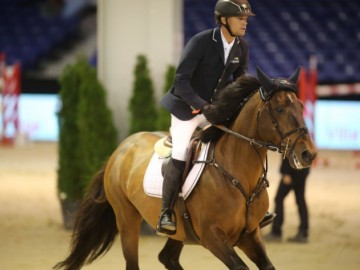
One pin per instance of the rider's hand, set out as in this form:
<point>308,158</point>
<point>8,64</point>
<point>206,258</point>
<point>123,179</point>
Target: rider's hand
<point>286,179</point>
<point>196,111</point>
<point>199,111</point>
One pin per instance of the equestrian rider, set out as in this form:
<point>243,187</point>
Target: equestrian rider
<point>210,60</point>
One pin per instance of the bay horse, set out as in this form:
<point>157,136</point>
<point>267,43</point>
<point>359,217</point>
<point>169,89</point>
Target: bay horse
<point>248,117</point>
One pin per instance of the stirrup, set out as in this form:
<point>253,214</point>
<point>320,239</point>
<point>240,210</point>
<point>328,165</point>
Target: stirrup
<point>160,230</point>
<point>268,219</point>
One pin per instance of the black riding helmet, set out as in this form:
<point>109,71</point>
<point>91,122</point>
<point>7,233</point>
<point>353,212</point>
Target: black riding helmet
<point>229,8</point>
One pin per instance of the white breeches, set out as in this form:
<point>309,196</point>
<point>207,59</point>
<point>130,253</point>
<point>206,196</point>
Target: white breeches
<point>181,132</point>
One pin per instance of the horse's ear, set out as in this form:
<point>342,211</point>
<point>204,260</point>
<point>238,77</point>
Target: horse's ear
<point>264,79</point>
<point>295,76</point>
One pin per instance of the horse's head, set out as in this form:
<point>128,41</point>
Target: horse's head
<point>280,119</point>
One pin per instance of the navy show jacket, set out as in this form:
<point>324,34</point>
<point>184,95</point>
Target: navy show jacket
<point>201,70</point>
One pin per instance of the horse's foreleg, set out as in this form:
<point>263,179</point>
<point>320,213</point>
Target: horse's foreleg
<point>170,254</point>
<point>218,245</point>
<point>253,246</point>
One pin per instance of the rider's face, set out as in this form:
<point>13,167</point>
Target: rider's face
<point>238,25</point>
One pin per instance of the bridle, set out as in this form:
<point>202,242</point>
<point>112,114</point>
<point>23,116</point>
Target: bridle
<point>283,148</point>
<point>284,144</point>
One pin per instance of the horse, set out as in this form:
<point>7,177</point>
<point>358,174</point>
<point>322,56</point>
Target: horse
<point>248,117</point>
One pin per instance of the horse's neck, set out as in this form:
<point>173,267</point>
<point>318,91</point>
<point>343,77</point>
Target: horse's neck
<point>246,122</point>
<point>237,152</point>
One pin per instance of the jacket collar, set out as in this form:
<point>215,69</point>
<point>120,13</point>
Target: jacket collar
<point>216,37</point>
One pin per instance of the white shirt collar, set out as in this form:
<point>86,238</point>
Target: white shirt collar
<point>227,46</point>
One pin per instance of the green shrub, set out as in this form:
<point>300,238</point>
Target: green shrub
<point>87,135</point>
<point>142,107</point>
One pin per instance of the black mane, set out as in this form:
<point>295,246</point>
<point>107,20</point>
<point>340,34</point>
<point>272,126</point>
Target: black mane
<point>227,104</point>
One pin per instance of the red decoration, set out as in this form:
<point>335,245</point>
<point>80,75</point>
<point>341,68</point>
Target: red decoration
<point>10,100</point>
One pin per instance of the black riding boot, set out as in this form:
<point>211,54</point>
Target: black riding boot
<point>171,186</point>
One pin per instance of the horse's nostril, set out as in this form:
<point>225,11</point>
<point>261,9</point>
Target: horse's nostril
<point>307,156</point>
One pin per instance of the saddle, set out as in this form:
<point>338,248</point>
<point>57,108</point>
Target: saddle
<point>163,148</point>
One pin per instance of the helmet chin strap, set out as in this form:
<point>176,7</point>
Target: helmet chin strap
<point>228,27</point>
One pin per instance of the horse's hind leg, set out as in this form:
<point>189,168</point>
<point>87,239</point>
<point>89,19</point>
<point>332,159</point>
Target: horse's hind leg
<point>128,222</point>
<point>254,248</point>
<point>170,254</point>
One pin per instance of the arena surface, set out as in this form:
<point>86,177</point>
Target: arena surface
<point>32,236</point>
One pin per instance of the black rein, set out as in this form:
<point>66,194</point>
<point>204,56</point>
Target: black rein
<point>282,149</point>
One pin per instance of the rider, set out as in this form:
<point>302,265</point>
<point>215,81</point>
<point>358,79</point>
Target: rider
<point>210,60</point>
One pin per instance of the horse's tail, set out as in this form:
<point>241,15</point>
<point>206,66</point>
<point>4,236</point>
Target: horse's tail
<point>94,229</point>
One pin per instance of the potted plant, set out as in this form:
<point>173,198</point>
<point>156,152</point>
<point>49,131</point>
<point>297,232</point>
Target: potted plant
<point>87,135</point>
<point>142,107</point>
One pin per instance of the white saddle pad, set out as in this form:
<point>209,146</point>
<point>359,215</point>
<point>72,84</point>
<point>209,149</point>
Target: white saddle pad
<point>153,178</point>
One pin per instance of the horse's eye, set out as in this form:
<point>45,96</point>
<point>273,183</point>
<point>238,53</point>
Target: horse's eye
<point>279,109</point>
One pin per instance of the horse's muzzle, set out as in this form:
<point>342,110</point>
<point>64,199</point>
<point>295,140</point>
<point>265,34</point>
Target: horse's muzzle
<point>303,160</point>
<point>308,156</point>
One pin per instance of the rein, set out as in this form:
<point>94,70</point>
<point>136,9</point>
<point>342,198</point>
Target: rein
<point>284,146</point>
<point>270,146</point>
<point>262,183</point>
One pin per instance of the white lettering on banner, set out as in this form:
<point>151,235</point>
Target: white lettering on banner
<point>337,125</point>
